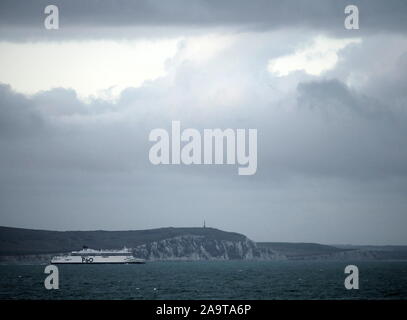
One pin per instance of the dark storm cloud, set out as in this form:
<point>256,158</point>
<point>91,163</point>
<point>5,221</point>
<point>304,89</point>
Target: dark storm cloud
<point>82,18</point>
<point>363,137</point>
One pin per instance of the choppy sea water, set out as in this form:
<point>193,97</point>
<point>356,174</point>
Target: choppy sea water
<point>208,280</point>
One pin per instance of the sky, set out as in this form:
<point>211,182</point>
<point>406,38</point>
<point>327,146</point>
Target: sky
<point>77,105</point>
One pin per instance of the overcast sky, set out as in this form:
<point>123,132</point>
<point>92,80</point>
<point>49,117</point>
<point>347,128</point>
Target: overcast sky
<point>77,105</point>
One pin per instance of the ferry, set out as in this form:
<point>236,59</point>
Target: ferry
<point>91,256</point>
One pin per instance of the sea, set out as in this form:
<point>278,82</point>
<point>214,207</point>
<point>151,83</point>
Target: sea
<point>216,280</point>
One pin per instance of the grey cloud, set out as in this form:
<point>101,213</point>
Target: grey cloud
<point>336,131</point>
<point>17,115</point>
<point>24,19</point>
<point>335,95</point>
<point>59,101</point>
<point>363,137</point>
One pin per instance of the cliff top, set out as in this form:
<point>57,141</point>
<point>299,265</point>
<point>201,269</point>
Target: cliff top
<point>19,241</point>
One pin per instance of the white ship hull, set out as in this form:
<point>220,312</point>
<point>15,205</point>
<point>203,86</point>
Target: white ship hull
<point>89,256</point>
<point>94,260</point>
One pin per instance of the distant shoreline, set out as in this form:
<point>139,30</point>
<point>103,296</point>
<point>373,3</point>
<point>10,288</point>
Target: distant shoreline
<point>19,246</point>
